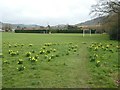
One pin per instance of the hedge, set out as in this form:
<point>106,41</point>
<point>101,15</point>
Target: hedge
<point>71,31</point>
<point>31,31</point>
<point>53,31</point>
<point>66,31</point>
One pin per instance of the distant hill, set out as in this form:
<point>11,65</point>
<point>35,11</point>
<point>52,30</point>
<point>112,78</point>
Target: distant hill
<point>23,25</point>
<point>60,26</point>
<point>95,21</point>
<point>14,26</point>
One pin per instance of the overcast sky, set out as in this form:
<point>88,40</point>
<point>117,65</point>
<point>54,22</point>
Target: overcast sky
<point>43,12</point>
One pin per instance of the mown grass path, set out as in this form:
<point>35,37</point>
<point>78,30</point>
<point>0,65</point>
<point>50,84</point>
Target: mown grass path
<point>80,72</point>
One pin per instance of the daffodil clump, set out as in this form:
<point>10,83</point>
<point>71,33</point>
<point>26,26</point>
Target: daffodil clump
<point>28,54</point>
<point>47,52</point>
<point>6,62</point>
<point>48,44</point>
<point>20,68</point>
<point>42,51</point>
<point>9,45</point>
<point>68,52</point>
<point>72,48</point>
<point>52,56</point>
<point>22,45</point>
<point>15,45</point>
<point>20,61</point>
<point>13,53</point>
<point>1,55</point>
<point>30,45</point>
<point>44,47</point>
<point>33,59</point>
<point>33,51</point>
<point>46,56</point>
<point>84,43</point>
<point>93,57</point>
<point>49,59</point>
<point>57,55</point>
<point>36,56</point>
<point>97,63</point>
<point>98,51</point>
<point>54,50</point>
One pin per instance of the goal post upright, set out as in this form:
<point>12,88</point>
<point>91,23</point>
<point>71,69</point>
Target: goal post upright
<point>90,32</point>
<point>83,33</point>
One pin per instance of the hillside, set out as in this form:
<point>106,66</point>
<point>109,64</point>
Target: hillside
<point>14,26</point>
<point>95,21</point>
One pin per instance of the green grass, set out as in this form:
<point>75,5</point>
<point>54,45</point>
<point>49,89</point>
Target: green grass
<point>73,70</point>
<point>0,60</point>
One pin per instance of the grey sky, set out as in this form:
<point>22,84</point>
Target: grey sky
<point>45,12</point>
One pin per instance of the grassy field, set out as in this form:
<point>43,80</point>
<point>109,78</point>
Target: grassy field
<point>59,61</point>
<point>0,60</point>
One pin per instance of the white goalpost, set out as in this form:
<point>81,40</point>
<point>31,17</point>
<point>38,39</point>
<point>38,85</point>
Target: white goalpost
<point>89,33</point>
<point>83,33</point>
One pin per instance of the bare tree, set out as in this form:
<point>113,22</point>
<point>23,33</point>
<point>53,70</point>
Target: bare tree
<point>7,27</point>
<point>106,7</point>
<point>48,26</point>
<point>18,27</point>
<point>111,10</point>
